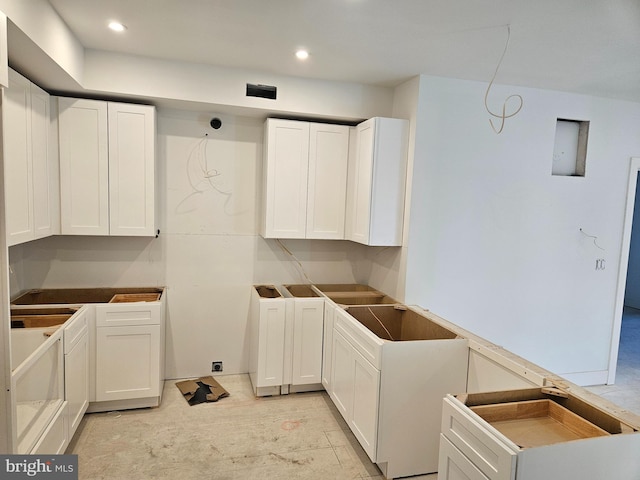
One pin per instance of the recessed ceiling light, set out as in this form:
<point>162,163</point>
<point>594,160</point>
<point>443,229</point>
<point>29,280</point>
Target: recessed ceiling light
<point>117,27</point>
<point>302,54</point>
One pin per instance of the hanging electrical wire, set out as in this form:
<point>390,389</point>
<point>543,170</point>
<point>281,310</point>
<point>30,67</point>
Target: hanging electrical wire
<point>300,267</point>
<point>503,115</point>
<point>595,239</point>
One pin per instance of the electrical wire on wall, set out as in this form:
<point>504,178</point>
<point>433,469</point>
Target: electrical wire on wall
<point>203,176</point>
<point>595,239</point>
<point>295,259</point>
<point>503,115</point>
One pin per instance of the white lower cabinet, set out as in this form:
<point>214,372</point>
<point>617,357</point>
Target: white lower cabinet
<point>267,313</point>
<point>127,364</point>
<point>454,465</point>
<point>389,391</point>
<point>55,438</point>
<point>304,331</point>
<point>76,369</point>
<point>129,355</point>
<point>327,344</point>
<point>530,434</point>
<point>285,338</point>
<point>356,392</point>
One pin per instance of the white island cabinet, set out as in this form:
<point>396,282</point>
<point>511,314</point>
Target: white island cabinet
<point>305,179</point>
<point>391,367</point>
<point>107,168</point>
<point>530,434</point>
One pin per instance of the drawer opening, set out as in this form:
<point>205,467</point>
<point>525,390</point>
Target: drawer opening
<point>301,291</point>
<point>135,297</point>
<point>534,423</point>
<point>355,294</point>
<point>397,323</point>
<point>267,291</point>
<point>40,317</point>
<point>543,416</point>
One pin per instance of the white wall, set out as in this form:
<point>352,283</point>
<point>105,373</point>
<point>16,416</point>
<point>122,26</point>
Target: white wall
<point>389,264</point>
<point>119,74</point>
<point>209,253</point>
<point>495,243</point>
<point>40,23</point>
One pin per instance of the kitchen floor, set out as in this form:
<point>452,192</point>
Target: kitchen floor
<point>626,391</point>
<point>298,436</point>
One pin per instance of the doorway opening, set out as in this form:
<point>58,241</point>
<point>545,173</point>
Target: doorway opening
<point>624,361</point>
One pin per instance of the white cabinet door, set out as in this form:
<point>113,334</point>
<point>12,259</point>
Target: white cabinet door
<point>366,392</point>
<point>267,325</point>
<point>55,439</point>
<point>45,174</point>
<point>453,465</point>
<point>286,165</point>
<point>307,341</point>
<point>305,179</point>
<point>342,375</point>
<point>18,166</point>
<point>131,169</point>
<point>76,382</point>
<point>127,362</point>
<point>271,344</point>
<point>360,184</point>
<point>84,167</point>
<point>327,344</point>
<point>327,182</point>
<point>377,178</point>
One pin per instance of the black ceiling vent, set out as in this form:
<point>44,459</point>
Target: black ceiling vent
<point>262,91</point>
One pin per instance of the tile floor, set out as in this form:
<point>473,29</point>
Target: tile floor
<point>626,391</point>
<point>299,436</point>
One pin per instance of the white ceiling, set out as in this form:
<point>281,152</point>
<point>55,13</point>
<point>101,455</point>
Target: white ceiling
<point>585,46</point>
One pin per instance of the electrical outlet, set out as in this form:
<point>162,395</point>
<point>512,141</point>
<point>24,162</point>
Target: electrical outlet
<point>216,366</point>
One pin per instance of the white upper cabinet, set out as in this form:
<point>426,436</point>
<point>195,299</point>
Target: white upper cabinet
<point>30,170</point>
<point>107,158</point>
<point>46,180</point>
<point>305,172</point>
<point>18,166</point>
<point>327,182</point>
<point>84,167</point>
<point>376,185</point>
<point>131,169</point>
<point>286,166</point>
